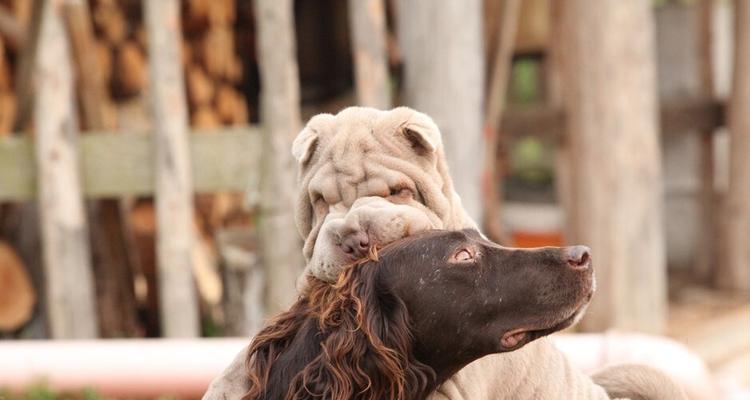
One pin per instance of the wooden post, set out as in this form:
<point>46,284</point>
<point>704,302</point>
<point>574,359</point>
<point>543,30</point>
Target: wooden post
<point>367,23</point>
<point>280,115</point>
<point>492,189</point>
<point>611,105</point>
<point>444,78</point>
<point>734,273</point>
<point>555,99</point>
<point>174,187</point>
<point>70,297</point>
<point>707,252</point>
<point>113,276</point>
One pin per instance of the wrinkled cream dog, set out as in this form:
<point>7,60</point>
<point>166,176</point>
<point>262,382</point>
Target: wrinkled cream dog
<point>369,177</point>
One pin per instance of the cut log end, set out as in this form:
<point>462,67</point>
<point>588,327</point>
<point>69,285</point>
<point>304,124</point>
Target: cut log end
<point>17,295</point>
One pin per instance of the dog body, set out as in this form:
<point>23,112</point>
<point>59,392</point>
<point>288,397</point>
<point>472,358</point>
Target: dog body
<point>370,177</point>
<point>397,327</point>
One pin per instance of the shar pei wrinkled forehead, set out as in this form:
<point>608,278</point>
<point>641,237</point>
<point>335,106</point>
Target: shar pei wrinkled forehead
<point>369,177</point>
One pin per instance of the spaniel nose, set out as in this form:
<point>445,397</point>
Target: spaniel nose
<point>356,244</point>
<point>578,257</point>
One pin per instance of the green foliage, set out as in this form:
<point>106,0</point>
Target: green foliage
<point>531,161</point>
<point>524,85</point>
<point>42,391</point>
<point>37,391</point>
<point>210,328</point>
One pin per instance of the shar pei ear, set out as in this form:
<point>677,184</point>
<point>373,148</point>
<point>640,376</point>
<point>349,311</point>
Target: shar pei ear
<point>308,140</point>
<point>420,130</point>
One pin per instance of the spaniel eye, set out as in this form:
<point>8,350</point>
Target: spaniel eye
<point>463,255</point>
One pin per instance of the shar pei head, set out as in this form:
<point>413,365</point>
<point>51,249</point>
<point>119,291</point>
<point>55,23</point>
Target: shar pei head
<point>370,177</point>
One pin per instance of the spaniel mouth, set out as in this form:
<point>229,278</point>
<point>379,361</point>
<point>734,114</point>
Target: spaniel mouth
<point>519,337</point>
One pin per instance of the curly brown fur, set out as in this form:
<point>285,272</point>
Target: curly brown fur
<point>349,340</point>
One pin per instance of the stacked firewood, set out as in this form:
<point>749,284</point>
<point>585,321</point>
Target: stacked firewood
<point>213,69</point>
<point>15,21</point>
<point>7,96</point>
<point>213,72</point>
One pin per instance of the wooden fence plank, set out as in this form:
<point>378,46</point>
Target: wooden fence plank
<point>116,303</point>
<point>123,165</point>
<point>17,169</point>
<point>178,303</point>
<point>66,254</point>
<point>280,114</point>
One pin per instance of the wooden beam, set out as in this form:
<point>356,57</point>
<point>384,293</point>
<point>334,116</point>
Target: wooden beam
<point>696,115</point>
<point>67,262</point>
<point>690,115</point>
<point>367,23</point>
<point>178,303</point>
<point>121,165</point>
<point>117,165</point>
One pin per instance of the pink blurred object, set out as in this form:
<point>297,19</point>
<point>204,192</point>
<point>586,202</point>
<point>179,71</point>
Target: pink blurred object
<point>132,367</point>
<point>184,368</point>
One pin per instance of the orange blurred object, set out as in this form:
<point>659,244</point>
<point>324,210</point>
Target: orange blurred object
<point>536,239</point>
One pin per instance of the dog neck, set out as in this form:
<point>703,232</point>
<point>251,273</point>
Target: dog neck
<point>306,346</point>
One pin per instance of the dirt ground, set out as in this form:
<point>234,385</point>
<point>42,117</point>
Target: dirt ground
<point>714,324</point>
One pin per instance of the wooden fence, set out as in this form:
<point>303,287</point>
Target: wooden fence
<point>60,162</point>
<point>116,164</point>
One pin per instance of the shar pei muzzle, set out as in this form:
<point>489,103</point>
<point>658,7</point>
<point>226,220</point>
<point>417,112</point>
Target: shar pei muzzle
<point>370,177</point>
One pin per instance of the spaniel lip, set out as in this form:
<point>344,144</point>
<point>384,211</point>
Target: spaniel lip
<point>518,337</point>
<point>513,338</point>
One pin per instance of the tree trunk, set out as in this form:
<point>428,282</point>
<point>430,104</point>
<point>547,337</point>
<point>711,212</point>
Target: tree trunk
<point>174,188</point>
<point>280,116</point>
<point>367,23</point>
<point>444,78</point>
<point>611,107</point>
<point>735,272</point>
<point>70,297</point>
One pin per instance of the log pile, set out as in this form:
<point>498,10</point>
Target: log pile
<point>213,68</point>
<point>7,97</point>
<point>14,21</point>
<point>17,296</point>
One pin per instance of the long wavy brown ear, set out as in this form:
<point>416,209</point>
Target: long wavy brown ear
<point>270,343</point>
<point>367,346</point>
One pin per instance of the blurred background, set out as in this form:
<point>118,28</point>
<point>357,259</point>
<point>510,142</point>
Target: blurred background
<point>146,174</point>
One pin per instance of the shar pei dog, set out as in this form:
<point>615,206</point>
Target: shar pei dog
<point>367,178</point>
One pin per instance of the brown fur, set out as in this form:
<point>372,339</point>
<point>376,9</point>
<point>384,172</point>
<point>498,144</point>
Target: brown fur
<point>360,357</point>
<point>372,336</point>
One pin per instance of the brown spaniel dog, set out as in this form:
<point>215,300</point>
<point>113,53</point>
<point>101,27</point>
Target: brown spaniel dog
<point>399,324</point>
